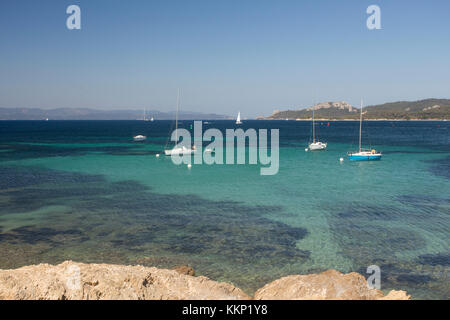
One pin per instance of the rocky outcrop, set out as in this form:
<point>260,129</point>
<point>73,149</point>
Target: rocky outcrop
<point>71,280</point>
<point>396,295</point>
<point>328,285</point>
<point>342,105</point>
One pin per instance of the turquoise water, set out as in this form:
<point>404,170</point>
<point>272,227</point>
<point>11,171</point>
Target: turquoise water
<point>83,190</point>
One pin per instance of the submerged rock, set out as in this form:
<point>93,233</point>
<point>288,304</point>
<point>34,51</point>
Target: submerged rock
<point>187,270</point>
<point>328,285</point>
<point>71,280</point>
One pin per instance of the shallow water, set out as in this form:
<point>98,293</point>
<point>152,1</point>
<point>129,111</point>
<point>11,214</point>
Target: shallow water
<point>83,190</point>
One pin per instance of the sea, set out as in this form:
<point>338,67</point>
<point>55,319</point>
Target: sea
<point>85,191</point>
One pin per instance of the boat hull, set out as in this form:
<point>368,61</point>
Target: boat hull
<point>364,156</point>
<point>139,138</point>
<point>317,146</point>
<point>179,151</point>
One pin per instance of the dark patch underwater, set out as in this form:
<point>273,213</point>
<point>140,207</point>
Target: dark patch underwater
<point>125,221</point>
<point>440,167</point>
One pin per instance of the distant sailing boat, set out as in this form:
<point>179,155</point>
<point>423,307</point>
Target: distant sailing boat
<point>140,137</point>
<point>363,154</point>
<point>238,120</point>
<point>145,116</point>
<point>316,145</point>
<point>178,150</point>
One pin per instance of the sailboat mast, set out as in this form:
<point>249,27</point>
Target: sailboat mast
<point>176,115</point>
<point>360,125</point>
<point>314,127</point>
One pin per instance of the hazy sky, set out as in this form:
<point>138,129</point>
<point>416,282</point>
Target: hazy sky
<point>226,56</point>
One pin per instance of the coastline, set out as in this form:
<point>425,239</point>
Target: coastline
<point>259,119</point>
<point>318,119</point>
<point>78,281</point>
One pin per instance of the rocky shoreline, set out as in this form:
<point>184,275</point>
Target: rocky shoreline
<point>78,281</point>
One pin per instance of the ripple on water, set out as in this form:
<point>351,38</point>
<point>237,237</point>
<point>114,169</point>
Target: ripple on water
<point>28,151</point>
<point>380,235</point>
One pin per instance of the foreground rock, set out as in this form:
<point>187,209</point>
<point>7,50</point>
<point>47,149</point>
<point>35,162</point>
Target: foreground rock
<point>328,285</point>
<point>70,280</point>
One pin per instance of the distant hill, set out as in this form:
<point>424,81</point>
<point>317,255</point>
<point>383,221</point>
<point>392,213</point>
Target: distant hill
<point>423,109</point>
<point>401,110</point>
<point>324,110</point>
<point>94,114</point>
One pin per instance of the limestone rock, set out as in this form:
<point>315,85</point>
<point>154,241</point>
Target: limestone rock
<point>396,295</point>
<point>70,280</point>
<point>328,285</point>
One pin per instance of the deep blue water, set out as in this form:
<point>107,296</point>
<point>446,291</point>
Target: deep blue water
<point>83,190</point>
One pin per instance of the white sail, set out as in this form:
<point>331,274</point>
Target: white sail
<point>238,120</point>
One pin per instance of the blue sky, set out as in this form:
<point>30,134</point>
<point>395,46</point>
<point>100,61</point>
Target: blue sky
<point>226,56</point>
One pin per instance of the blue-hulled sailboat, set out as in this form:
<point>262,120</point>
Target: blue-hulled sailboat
<point>363,154</point>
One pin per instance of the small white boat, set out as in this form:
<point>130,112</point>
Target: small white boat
<point>238,120</point>
<point>179,151</point>
<point>139,138</point>
<point>145,116</point>
<point>316,145</point>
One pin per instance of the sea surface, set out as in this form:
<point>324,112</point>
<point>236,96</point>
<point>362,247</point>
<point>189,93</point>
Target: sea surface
<point>84,191</point>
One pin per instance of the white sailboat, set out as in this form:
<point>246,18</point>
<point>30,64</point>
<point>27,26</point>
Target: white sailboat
<point>178,150</point>
<point>238,120</point>
<point>363,154</point>
<point>316,145</point>
<point>145,116</point>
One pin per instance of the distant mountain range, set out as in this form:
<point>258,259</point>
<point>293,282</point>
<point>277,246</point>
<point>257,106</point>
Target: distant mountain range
<point>429,109</point>
<point>94,114</point>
